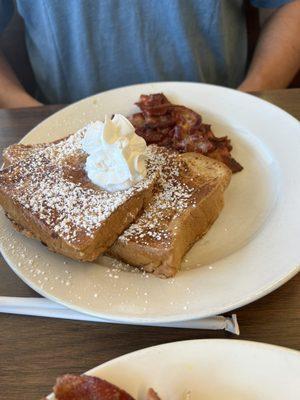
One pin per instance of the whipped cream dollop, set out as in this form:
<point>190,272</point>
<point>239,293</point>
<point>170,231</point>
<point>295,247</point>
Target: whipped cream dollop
<point>116,158</point>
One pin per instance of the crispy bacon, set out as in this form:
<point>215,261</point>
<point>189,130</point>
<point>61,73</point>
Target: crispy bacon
<point>152,395</point>
<point>165,124</point>
<point>71,387</point>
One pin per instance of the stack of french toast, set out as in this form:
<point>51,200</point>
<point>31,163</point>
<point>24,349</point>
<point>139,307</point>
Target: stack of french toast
<point>46,193</point>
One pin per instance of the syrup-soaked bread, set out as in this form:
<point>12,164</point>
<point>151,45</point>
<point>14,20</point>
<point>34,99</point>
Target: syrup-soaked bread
<point>188,199</point>
<point>44,190</point>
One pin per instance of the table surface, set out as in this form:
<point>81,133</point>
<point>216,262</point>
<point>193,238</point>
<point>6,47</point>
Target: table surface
<point>34,350</point>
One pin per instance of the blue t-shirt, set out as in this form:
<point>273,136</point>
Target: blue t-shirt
<point>81,47</point>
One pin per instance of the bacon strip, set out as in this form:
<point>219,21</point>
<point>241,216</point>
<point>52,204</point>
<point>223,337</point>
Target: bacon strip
<point>152,395</point>
<point>165,124</point>
<point>71,387</point>
<point>84,387</point>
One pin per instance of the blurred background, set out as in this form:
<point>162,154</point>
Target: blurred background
<point>12,43</point>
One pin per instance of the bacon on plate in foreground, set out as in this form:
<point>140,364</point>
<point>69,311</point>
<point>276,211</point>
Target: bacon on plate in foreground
<point>84,387</point>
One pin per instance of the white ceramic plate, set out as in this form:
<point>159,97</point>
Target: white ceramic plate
<point>207,370</point>
<point>251,249</point>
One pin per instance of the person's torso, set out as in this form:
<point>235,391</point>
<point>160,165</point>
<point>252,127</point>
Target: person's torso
<point>80,47</point>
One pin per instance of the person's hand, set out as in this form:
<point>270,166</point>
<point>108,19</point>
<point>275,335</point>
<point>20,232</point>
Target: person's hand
<point>19,100</point>
<point>12,93</point>
<point>276,59</point>
<point>251,86</point>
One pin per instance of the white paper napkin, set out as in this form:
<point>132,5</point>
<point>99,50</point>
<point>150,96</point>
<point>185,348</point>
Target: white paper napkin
<point>46,308</point>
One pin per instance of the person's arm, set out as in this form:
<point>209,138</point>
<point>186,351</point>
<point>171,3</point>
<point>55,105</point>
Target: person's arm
<point>276,59</point>
<point>12,93</point>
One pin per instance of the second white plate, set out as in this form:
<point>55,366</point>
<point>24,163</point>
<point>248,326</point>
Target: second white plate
<point>207,370</point>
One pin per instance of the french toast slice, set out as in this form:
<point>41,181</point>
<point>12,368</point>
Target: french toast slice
<point>188,199</point>
<point>44,190</point>
<point>17,152</point>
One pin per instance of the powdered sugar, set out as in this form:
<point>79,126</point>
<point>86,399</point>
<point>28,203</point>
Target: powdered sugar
<point>50,182</point>
<point>173,196</point>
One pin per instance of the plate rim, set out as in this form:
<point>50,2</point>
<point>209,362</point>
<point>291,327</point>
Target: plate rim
<point>231,342</point>
<point>164,319</point>
<point>192,83</point>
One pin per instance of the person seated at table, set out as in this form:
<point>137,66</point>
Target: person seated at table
<point>80,47</point>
